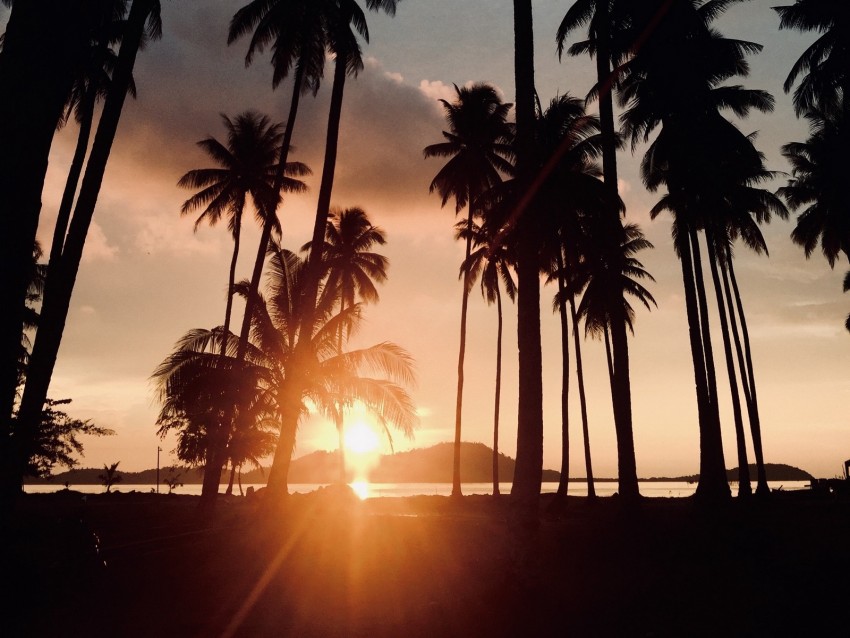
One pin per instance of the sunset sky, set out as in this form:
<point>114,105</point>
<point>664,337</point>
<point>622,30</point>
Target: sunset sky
<point>146,277</point>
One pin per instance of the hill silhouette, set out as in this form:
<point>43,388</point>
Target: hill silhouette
<point>421,465</point>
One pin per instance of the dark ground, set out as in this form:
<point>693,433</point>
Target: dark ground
<point>425,566</point>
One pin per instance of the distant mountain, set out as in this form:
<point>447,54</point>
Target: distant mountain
<point>774,471</point>
<point>422,465</point>
<point>425,465</point>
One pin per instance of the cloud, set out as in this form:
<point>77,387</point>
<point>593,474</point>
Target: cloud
<point>98,247</point>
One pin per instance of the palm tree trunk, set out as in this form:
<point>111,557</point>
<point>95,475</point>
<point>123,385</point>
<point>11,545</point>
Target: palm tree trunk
<point>564,479</point>
<point>529,457</point>
<point>498,399</point>
<point>72,182</point>
<point>621,382</point>
<point>218,440</point>
<point>744,488</point>
<point>278,485</point>
<point>231,280</point>
<point>339,423</point>
<point>585,430</point>
<point>712,480</point>
<point>41,48</point>
<point>58,289</point>
<point>762,488</point>
<point>239,479</point>
<point>282,457</point>
<point>461,353</point>
<point>229,489</point>
<point>609,360</point>
<point>314,266</point>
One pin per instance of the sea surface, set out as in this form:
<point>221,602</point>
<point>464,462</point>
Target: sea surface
<point>672,489</point>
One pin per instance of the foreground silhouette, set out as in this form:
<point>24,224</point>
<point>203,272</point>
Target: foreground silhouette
<point>425,566</point>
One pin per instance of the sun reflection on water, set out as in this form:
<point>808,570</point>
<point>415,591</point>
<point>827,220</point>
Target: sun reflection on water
<point>361,488</point>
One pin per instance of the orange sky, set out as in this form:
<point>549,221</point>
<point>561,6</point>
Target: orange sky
<point>146,278</point>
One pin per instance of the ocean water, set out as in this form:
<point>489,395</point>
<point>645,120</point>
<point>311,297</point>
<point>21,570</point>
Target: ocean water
<point>671,489</point>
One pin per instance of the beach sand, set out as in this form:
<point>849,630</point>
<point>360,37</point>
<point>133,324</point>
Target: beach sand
<point>425,566</point>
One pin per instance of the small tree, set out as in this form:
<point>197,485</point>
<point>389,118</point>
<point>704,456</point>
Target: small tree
<point>56,441</point>
<point>110,476</point>
<point>173,480</point>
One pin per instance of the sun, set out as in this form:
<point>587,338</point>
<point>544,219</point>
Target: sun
<point>360,438</point>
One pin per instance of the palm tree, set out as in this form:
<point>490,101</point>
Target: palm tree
<point>297,35</point>
<point>246,167</point>
<point>143,21</point>
<point>492,262</point>
<point>816,184</point>
<point>333,378</point>
<point>528,472</point>
<point>741,206</point>
<point>340,17</point>
<point>675,81</point>
<point>478,145</point>
<point>43,45</point>
<point>824,65</point>
<point>110,476</point>
<point>352,270</point>
<point>567,143</point>
<point>90,85</point>
<point>611,27</point>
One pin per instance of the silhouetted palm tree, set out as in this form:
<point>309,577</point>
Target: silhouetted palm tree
<point>90,85</point>
<point>740,206</point>
<point>568,143</point>
<point>352,271</point>
<point>479,152</point>
<point>612,30</point>
<point>246,167</point>
<point>43,45</point>
<point>825,65</point>
<point>143,22</point>
<point>675,81</point>
<point>528,472</point>
<point>110,476</point>
<point>333,378</point>
<point>492,263</point>
<point>345,20</point>
<point>817,184</point>
<point>296,31</point>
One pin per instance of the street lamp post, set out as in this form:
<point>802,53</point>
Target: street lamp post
<point>158,450</point>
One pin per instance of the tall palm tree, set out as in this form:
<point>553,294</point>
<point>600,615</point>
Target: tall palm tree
<point>352,271</point>
<point>825,65</point>
<point>43,44</point>
<point>246,168</point>
<point>297,35</point>
<point>90,85</point>
<point>491,262</point>
<point>529,456</point>
<point>614,31</point>
<point>345,20</point>
<point>479,151</point>
<point>143,22</point>
<point>816,184</point>
<point>567,143</point>
<point>675,81</point>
